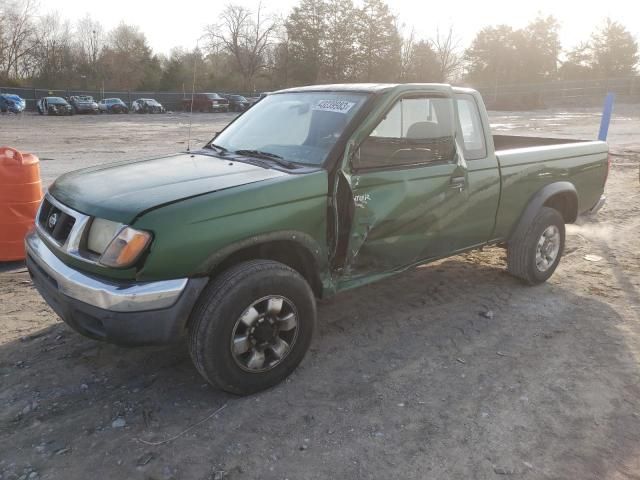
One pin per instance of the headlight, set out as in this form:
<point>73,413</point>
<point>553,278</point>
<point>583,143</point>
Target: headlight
<point>118,245</point>
<point>125,249</point>
<point>101,233</point>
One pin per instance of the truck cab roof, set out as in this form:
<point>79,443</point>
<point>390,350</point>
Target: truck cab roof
<point>371,87</point>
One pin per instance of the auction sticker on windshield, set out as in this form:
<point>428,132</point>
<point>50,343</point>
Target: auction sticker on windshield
<point>338,106</point>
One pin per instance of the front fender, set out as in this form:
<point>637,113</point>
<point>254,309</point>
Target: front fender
<point>192,236</point>
<point>305,240</point>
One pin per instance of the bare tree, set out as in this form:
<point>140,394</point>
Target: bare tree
<point>406,54</point>
<point>245,36</point>
<point>279,57</point>
<point>90,40</point>
<point>20,40</point>
<point>53,63</point>
<point>3,32</point>
<point>127,57</point>
<point>447,49</point>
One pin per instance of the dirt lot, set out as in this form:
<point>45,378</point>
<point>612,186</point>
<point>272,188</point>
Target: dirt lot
<point>454,370</point>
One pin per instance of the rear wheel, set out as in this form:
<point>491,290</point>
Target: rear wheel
<point>252,326</point>
<point>533,255</point>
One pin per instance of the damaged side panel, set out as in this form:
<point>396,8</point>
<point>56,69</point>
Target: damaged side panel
<point>398,218</point>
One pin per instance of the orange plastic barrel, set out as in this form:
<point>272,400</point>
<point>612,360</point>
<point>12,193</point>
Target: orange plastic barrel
<point>20,195</point>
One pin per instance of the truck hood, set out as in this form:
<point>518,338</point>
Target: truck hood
<point>124,190</point>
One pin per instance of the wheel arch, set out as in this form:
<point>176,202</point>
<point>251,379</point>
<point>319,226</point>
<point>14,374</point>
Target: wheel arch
<point>561,196</point>
<point>297,250</point>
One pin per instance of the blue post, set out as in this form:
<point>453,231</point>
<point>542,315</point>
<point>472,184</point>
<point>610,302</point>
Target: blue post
<point>606,116</point>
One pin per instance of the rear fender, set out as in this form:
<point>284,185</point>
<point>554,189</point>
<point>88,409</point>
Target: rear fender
<point>546,195</point>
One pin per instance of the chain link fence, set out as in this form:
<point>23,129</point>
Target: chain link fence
<point>561,93</point>
<point>170,100</point>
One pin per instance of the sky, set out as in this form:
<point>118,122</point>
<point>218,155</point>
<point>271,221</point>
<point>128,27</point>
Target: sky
<point>169,24</point>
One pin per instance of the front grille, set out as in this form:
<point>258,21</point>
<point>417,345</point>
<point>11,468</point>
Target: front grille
<point>56,223</point>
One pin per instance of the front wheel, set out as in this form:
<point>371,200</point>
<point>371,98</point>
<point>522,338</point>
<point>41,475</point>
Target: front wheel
<point>533,255</point>
<point>252,326</point>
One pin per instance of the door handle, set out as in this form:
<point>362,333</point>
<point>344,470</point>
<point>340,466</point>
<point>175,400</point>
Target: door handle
<point>457,183</point>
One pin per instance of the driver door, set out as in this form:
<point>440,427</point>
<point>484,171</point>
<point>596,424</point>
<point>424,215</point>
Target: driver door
<point>405,178</point>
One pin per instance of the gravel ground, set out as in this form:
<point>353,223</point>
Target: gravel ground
<point>453,370</point>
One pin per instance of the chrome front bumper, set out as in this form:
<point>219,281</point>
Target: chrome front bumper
<point>112,296</point>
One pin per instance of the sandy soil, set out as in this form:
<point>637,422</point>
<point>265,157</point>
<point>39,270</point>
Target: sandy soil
<point>454,370</point>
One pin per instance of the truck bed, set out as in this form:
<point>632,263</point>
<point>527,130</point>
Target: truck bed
<point>527,164</point>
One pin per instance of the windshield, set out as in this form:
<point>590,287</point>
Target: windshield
<point>238,98</point>
<point>300,127</point>
<point>212,95</point>
<point>151,101</point>
<point>56,101</point>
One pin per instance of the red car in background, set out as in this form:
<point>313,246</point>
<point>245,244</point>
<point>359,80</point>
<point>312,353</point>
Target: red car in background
<point>206,102</point>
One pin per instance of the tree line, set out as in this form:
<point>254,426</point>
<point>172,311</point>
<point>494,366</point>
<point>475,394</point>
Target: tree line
<point>319,41</point>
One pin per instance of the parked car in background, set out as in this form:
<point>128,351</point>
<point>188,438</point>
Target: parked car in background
<point>256,99</point>
<point>147,105</point>
<point>11,103</point>
<point>206,102</point>
<point>112,105</point>
<point>54,106</point>
<point>83,104</point>
<point>237,103</point>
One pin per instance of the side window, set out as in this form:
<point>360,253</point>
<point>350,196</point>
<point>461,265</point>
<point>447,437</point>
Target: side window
<point>415,131</point>
<point>470,126</point>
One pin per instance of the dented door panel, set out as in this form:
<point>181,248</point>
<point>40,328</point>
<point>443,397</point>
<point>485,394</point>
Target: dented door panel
<point>398,216</point>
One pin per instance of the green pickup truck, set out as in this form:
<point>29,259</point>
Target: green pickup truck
<point>312,191</point>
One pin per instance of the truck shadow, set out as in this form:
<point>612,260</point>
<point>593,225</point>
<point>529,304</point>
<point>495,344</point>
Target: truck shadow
<point>454,369</point>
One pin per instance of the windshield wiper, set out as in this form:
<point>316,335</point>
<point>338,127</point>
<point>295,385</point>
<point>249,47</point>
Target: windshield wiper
<point>267,156</point>
<point>218,147</point>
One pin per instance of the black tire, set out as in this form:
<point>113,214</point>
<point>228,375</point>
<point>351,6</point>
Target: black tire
<point>522,249</point>
<point>222,303</point>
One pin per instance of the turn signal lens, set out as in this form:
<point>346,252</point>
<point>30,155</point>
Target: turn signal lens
<point>125,249</point>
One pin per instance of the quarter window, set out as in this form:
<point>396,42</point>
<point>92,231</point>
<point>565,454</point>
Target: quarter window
<point>471,128</point>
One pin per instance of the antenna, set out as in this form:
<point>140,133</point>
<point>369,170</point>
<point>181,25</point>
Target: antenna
<point>193,89</point>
